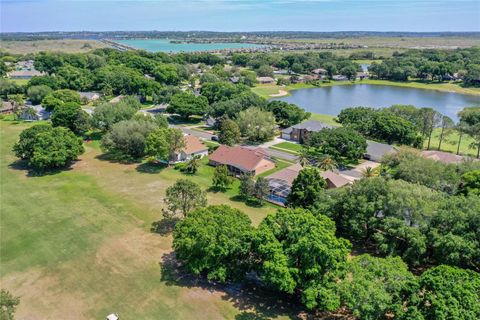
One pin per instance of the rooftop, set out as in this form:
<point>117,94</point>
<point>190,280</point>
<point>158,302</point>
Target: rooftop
<point>441,156</point>
<point>193,145</point>
<point>310,125</point>
<point>240,157</point>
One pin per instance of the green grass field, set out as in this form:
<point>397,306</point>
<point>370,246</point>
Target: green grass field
<point>78,243</point>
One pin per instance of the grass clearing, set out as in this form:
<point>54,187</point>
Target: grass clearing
<point>78,242</point>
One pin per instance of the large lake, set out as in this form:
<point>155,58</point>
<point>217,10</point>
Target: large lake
<point>155,45</point>
<point>331,100</point>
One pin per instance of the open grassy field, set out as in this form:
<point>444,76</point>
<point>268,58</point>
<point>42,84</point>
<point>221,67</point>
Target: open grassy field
<point>78,244</point>
<point>399,42</point>
<point>64,45</point>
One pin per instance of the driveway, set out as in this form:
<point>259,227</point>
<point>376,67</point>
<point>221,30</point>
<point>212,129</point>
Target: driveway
<point>199,134</point>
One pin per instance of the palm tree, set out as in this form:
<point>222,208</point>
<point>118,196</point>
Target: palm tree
<point>193,164</point>
<point>369,172</point>
<point>303,158</point>
<point>326,162</point>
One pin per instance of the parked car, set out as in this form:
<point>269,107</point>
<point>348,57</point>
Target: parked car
<point>214,138</point>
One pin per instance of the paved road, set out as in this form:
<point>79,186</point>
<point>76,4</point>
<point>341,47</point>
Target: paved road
<point>199,134</point>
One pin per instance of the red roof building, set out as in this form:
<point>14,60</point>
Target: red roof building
<point>240,160</point>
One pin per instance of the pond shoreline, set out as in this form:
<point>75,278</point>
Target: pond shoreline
<point>270,91</point>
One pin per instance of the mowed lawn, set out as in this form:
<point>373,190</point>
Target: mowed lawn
<point>77,244</point>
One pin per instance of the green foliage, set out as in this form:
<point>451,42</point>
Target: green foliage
<point>261,189</point>
<point>183,197</point>
<point>25,146</point>
<point>375,287</point>
<point>470,183</point>
<point>379,124</point>
<point>231,107</point>
<point>453,232</point>
<point>74,78</point>
<point>215,241</point>
<point>163,143</point>
<point>247,186</point>
<point>70,115</point>
<point>229,133</point>
<point>192,165</point>
<point>106,115</point>
<point>470,120</point>
<point>8,304</point>
<point>411,167</point>
<point>187,104</point>
<point>37,93</point>
<point>220,91</point>
<point>60,97</point>
<point>166,74</point>
<point>221,178</point>
<point>294,258</point>
<point>449,293</point>
<point>306,188</point>
<point>264,71</point>
<point>127,138</point>
<point>286,114</point>
<point>256,124</point>
<point>45,147</point>
<point>342,144</point>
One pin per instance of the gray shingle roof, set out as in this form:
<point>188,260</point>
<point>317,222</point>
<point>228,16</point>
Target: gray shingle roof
<point>312,126</point>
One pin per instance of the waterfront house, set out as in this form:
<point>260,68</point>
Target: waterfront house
<point>300,131</point>
<point>376,150</point>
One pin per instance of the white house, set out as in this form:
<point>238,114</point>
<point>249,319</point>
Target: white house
<point>193,147</point>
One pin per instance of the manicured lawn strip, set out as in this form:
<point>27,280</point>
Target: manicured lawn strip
<point>295,147</point>
<point>284,150</point>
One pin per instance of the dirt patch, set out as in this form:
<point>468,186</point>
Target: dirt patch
<point>43,293</point>
<point>280,93</point>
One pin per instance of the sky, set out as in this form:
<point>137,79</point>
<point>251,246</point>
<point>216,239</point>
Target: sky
<point>239,15</point>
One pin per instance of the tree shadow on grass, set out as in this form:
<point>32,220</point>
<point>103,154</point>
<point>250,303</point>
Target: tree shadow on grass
<point>116,158</point>
<point>253,202</point>
<point>151,168</point>
<point>253,300</point>
<point>165,226</point>
<point>22,165</point>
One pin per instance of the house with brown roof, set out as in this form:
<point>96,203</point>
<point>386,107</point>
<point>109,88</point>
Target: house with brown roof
<point>265,80</point>
<point>441,156</point>
<point>281,182</point>
<point>193,147</point>
<point>240,160</point>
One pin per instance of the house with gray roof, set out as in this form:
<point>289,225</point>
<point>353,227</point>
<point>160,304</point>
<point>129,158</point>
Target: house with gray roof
<point>299,131</point>
<point>376,150</point>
